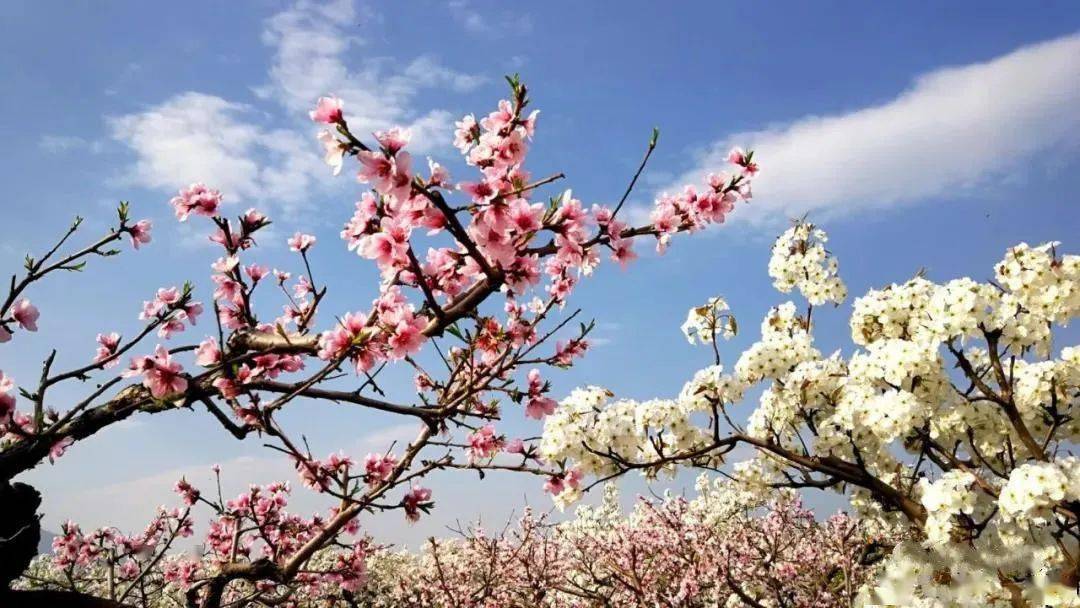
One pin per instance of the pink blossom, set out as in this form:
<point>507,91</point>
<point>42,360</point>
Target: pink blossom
<point>191,312</point>
<point>525,217</point>
<point>393,140</point>
<point>188,492</point>
<point>303,287</point>
<point>335,150</point>
<point>208,354</point>
<point>440,177</point>
<point>484,443</point>
<point>25,314</point>
<point>538,405</point>
<point>566,352</point>
<point>389,247</point>
<point>231,318</point>
<point>466,133</point>
<point>256,272</point>
<point>57,450</point>
<point>165,298</point>
<point>170,327</point>
<point>573,478</point>
<point>197,199</point>
<point>327,110</point>
<point>140,233</point>
<point>499,119</point>
<point>407,337</point>
<point>389,175</point>
<point>738,157</point>
<point>416,498</point>
<point>7,402</point>
<point>554,485</point>
<point>624,253</point>
<point>301,242</point>
<point>378,468</point>
<point>515,446</point>
<point>161,374</point>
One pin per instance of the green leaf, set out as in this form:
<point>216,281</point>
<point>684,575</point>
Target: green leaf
<point>453,330</point>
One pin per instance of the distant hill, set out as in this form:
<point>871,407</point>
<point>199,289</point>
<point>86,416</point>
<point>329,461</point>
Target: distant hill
<point>45,546</point>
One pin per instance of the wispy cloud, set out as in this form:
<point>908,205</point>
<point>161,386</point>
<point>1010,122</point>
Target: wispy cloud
<point>474,21</point>
<point>60,144</point>
<point>956,128</point>
<point>195,136</point>
<point>112,504</point>
<point>310,45</point>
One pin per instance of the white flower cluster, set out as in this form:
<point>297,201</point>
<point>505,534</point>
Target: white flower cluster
<point>598,434</point>
<point>704,323</point>
<point>785,342</point>
<point>1041,283</point>
<point>800,261</point>
<point>1035,488</point>
<point>944,499</point>
<point>952,382</point>
<point>958,308</point>
<point>711,386</point>
<point>893,312</point>
<point>918,577</point>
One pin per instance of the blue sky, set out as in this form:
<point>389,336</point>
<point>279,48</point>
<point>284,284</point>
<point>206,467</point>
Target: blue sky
<point>918,134</point>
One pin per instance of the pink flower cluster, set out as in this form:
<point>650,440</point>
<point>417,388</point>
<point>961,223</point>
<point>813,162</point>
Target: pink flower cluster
<point>24,314</point>
<point>539,405</point>
<point>14,424</point>
<point>663,555</point>
<point>7,400</point>
<point>234,238</point>
<point>161,374</point>
<point>166,301</point>
<point>139,233</point>
<point>484,443</point>
<point>556,484</point>
<point>392,331</point>
<point>256,524</point>
<point>196,199</point>
<point>301,242</point>
<point>691,210</point>
<point>416,500</point>
<point>106,350</point>
<point>318,475</point>
<point>378,468</point>
<point>128,554</point>
<point>327,110</point>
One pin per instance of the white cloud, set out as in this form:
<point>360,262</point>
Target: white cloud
<point>193,137</point>
<point>196,136</point>
<point>955,128</point>
<point>311,43</point>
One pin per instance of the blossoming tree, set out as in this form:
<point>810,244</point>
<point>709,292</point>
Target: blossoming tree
<point>951,424</point>
<point>727,546</point>
<point>443,249</point>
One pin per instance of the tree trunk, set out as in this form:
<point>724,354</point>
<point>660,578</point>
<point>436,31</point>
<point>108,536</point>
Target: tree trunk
<point>20,530</point>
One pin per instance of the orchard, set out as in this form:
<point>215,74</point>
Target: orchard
<point>945,427</point>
